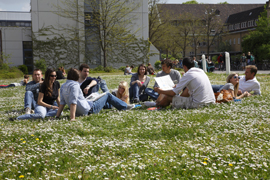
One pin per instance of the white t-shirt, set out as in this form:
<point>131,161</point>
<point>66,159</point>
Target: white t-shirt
<point>249,85</point>
<point>199,86</point>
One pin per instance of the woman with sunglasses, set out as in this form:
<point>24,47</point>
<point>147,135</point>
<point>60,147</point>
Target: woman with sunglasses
<point>48,94</point>
<point>232,86</point>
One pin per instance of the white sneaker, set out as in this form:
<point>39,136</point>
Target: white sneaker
<point>130,106</point>
<point>27,110</point>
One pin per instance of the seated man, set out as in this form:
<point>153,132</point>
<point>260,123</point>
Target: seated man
<point>32,90</point>
<point>71,94</point>
<point>90,85</point>
<point>166,70</point>
<point>249,82</point>
<point>198,91</point>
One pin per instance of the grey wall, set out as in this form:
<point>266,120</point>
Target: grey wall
<point>12,42</point>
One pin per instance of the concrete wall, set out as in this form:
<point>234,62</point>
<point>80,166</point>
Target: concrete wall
<point>12,42</point>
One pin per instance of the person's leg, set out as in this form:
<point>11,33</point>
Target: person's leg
<point>40,112</point>
<point>103,86</point>
<point>29,100</point>
<point>107,98</point>
<point>51,112</point>
<point>143,97</point>
<point>134,92</point>
<point>216,87</point>
<point>150,92</point>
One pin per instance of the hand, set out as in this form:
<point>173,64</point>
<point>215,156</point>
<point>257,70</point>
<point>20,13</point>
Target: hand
<point>156,89</point>
<point>139,83</point>
<point>85,91</point>
<point>55,107</point>
<point>239,92</point>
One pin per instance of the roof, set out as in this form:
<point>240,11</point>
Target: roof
<point>15,16</point>
<point>245,15</point>
<point>198,10</point>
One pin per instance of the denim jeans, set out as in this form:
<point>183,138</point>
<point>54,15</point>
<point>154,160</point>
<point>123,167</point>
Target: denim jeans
<point>103,86</point>
<point>134,93</point>
<point>216,87</point>
<point>40,112</point>
<point>29,100</point>
<point>107,99</point>
<point>150,92</point>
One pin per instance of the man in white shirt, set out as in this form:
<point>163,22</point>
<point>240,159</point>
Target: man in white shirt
<point>196,87</point>
<point>249,82</point>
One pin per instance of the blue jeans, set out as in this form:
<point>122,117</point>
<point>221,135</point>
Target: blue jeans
<point>150,92</point>
<point>103,86</point>
<point>107,99</point>
<point>29,100</point>
<point>40,112</point>
<point>134,93</point>
<point>216,87</point>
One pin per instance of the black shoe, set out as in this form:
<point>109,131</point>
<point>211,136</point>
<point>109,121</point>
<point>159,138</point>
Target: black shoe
<point>136,100</point>
<point>12,119</point>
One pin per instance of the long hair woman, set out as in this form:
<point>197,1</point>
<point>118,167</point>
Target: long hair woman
<point>48,98</point>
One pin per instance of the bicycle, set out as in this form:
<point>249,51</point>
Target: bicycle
<point>265,65</point>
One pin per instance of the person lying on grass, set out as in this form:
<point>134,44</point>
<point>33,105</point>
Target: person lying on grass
<point>72,95</point>
<point>196,87</point>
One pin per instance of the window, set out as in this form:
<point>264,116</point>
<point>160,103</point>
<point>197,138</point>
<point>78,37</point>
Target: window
<point>231,27</point>
<point>238,40</point>
<point>230,42</point>
<point>243,24</point>
<point>237,26</point>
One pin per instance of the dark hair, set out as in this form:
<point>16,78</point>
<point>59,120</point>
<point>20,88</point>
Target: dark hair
<point>37,70</point>
<point>253,69</point>
<point>188,62</point>
<point>25,76</point>
<point>73,74</point>
<point>132,66</point>
<point>48,91</point>
<point>168,62</point>
<point>142,65</point>
<point>83,66</point>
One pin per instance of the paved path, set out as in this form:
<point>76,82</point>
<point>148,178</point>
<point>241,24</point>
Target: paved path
<point>242,72</point>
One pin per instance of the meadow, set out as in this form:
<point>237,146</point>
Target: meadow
<point>222,141</point>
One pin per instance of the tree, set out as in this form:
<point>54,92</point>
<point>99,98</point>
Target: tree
<point>191,2</point>
<point>223,2</point>
<point>213,26</point>
<point>102,29</point>
<point>258,41</point>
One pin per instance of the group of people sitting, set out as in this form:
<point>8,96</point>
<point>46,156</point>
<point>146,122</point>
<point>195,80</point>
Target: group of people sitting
<point>149,70</point>
<point>193,90</point>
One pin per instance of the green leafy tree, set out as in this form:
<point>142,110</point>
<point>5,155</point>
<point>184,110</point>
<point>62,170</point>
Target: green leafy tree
<point>258,41</point>
<point>191,2</point>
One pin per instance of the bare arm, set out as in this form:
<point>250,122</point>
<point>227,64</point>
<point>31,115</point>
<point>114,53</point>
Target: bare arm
<point>41,103</point>
<point>169,93</point>
<point>93,83</point>
<point>60,109</point>
<point>72,111</point>
<point>58,98</point>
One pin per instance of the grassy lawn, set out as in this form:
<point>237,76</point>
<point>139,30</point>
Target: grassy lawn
<point>223,141</point>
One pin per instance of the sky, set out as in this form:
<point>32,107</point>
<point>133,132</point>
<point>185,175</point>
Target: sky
<point>24,5</point>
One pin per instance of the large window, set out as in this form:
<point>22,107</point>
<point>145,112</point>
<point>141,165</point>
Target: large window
<point>28,55</point>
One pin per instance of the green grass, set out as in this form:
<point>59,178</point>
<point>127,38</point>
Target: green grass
<point>222,141</point>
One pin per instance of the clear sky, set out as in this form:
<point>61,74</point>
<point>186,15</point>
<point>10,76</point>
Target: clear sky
<point>24,5</point>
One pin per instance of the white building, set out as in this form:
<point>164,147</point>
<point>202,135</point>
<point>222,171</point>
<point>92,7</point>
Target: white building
<point>16,29</point>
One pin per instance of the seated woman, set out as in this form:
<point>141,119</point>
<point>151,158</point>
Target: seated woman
<point>122,92</point>
<point>60,74</point>
<point>72,95</point>
<point>232,86</point>
<point>139,81</point>
<point>48,94</point>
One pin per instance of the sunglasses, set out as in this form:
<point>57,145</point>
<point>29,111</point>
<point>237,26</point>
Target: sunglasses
<point>236,77</point>
<point>53,76</point>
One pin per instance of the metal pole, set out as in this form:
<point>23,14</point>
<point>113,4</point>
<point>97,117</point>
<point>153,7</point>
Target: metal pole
<point>228,64</point>
<point>204,63</point>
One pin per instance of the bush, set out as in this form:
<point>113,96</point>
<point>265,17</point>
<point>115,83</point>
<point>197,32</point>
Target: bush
<point>122,68</point>
<point>11,73</point>
<point>23,68</point>
<point>109,69</point>
<point>99,68</point>
<point>41,64</point>
<point>158,64</point>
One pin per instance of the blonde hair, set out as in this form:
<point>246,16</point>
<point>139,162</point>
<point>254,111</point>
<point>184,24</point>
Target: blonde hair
<point>124,85</point>
<point>236,87</point>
